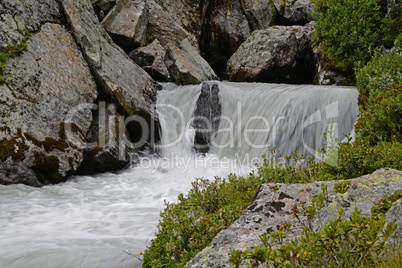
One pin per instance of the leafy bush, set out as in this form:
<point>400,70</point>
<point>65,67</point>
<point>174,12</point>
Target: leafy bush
<point>346,29</point>
<point>382,73</point>
<point>190,225</point>
<point>341,243</point>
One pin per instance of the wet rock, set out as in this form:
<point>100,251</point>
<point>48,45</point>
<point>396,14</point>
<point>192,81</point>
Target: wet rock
<point>127,23</point>
<point>225,28</point>
<point>206,117</point>
<point>325,75</point>
<point>109,147</point>
<point>297,12</point>
<point>280,54</point>
<point>42,129</point>
<point>185,65</point>
<point>244,233</point>
<point>151,59</point>
<point>119,79</point>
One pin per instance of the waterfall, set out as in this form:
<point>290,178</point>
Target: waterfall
<point>257,116</point>
<point>91,221</point>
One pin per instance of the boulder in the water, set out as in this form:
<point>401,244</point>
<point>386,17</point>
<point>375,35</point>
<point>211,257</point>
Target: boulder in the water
<point>206,117</point>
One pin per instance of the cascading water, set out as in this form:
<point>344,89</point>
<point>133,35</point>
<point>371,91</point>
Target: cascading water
<point>91,221</point>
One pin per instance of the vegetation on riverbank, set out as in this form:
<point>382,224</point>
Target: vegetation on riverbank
<point>211,206</point>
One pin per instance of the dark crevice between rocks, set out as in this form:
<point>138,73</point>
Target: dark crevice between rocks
<point>218,48</point>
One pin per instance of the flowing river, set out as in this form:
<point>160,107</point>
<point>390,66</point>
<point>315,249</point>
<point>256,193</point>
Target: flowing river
<point>96,221</point>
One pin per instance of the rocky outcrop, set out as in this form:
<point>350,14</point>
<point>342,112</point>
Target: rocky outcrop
<point>225,28</point>
<point>109,147</point>
<point>119,79</point>
<point>42,132</point>
<point>295,12</point>
<point>272,208</point>
<point>183,61</point>
<point>127,23</point>
<point>165,28</point>
<point>185,65</point>
<point>151,58</point>
<point>185,12</point>
<point>206,117</point>
<point>280,54</point>
<point>50,85</point>
<point>258,13</point>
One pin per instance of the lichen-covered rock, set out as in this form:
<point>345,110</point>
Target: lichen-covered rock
<point>118,78</point>
<point>186,13</point>
<point>109,147</point>
<point>165,27</point>
<point>225,28</point>
<point>17,16</point>
<point>279,54</point>
<point>151,58</point>
<point>272,208</point>
<point>127,23</point>
<point>185,65</point>
<point>259,13</point>
<point>206,117</point>
<point>42,131</point>
<point>295,12</point>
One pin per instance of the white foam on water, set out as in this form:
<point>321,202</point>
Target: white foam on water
<point>91,221</point>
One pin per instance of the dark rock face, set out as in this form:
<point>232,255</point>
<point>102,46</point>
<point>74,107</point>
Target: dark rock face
<point>225,28</point>
<point>41,137</point>
<point>271,209</point>
<point>110,148</point>
<point>280,54</point>
<point>206,117</point>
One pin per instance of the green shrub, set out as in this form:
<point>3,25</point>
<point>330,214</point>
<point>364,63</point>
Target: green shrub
<point>382,120</point>
<point>382,73</point>
<point>354,242</point>
<point>190,225</point>
<point>346,29</point>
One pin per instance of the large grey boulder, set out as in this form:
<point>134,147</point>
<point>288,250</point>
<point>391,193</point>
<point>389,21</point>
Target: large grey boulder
<point>127,23</point>
<point>295,12</point>
<point>272,208</point>
<point>185,65</point>
<point>151,58</point>
<point>118,78</point>
<point>42,129</point>
<point>279,54</point>
<point>207,117</point>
